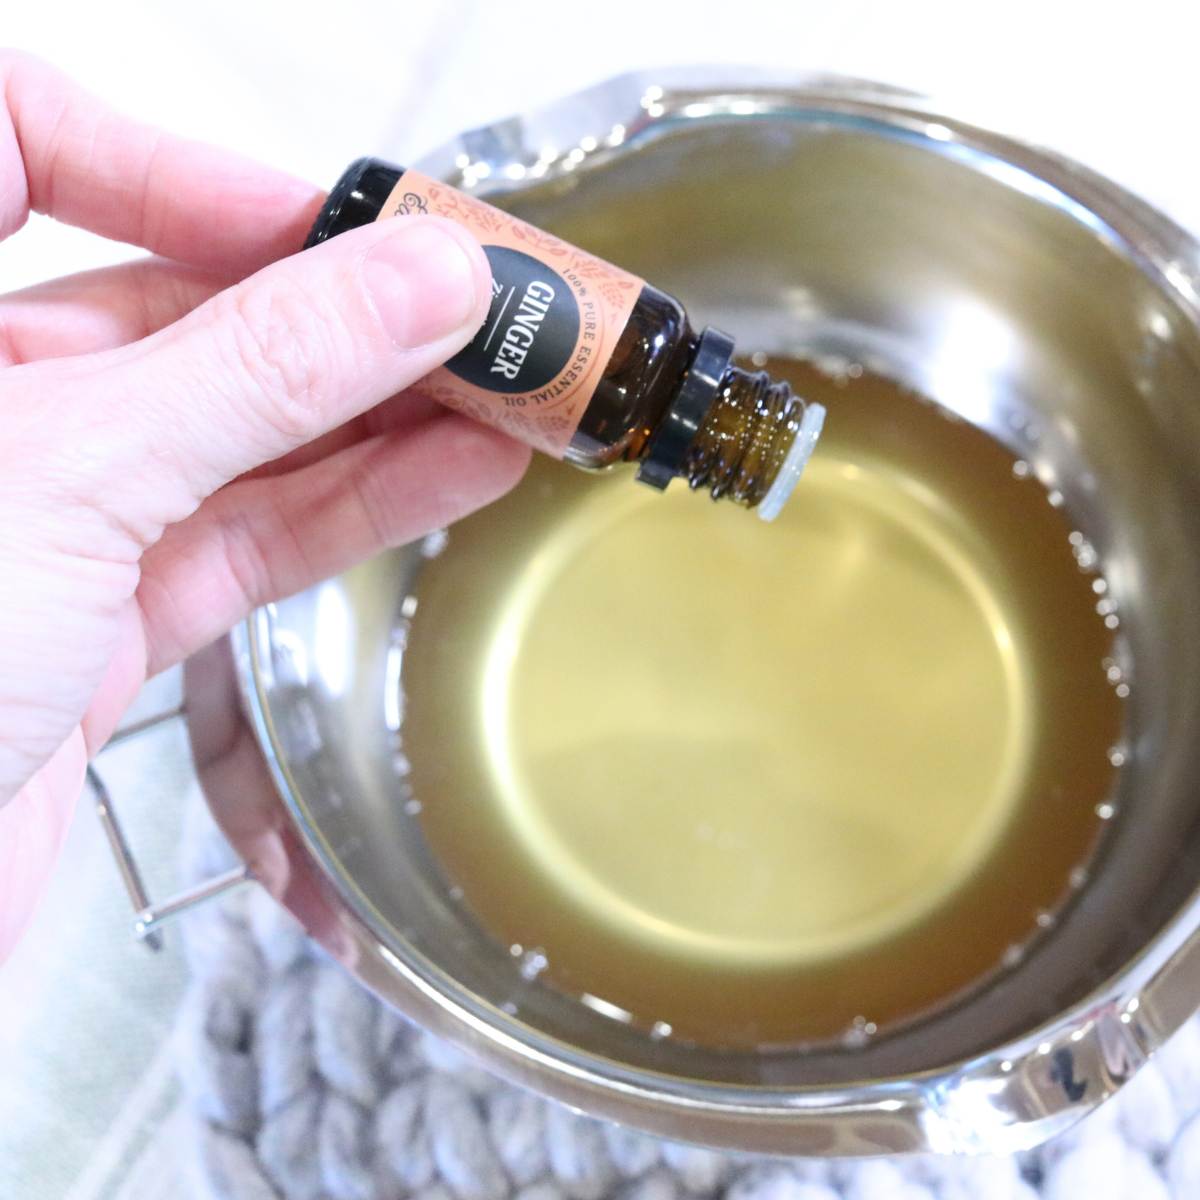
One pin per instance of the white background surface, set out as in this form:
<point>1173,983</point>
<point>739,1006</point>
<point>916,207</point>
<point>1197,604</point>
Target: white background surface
<point>307,87</point>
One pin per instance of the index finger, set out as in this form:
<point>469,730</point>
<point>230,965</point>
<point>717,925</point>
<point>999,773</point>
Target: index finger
<point>64,153</point>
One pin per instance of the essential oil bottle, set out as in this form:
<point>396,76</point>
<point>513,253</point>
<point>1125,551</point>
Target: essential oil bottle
<point>591,364</point>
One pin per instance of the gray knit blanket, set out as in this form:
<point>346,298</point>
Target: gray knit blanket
<point>303,1086</point>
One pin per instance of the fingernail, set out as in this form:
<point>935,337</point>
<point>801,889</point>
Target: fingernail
<point>422,282</point>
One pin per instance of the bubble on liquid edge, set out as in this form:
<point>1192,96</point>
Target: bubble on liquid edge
<point>533,963</point>
<point>1085,556</point>
<point>434,543</point>
<point>1012,955</point>
<point>859,1034</point>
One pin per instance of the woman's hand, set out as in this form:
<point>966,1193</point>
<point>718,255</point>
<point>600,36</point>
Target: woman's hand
<point>176,446</point>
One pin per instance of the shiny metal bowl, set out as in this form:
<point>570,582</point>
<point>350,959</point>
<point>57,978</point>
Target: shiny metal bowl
<point>812,216</point>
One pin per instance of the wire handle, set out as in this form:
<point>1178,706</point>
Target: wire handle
<point>148,917</point>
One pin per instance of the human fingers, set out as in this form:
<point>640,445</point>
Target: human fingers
<point>395,414</point>
<point>100,310</point>
<point>65,153</point>
<point>260,539</point>
<point>135,438</point>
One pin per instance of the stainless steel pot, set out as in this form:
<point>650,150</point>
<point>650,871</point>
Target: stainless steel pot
<point>821,216</point>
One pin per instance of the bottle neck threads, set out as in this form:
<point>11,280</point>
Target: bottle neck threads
<point>745,437</point>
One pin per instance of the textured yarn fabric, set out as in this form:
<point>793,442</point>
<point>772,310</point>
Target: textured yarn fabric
<point>303,1086</point>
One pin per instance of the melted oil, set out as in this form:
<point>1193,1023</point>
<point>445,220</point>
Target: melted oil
<point>747,784</point>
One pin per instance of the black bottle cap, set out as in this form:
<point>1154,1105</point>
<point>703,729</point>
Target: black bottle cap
<point>356,199</point>
<point>668,447</point>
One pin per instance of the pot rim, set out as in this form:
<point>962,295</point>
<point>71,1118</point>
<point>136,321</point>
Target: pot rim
<point>1010,1098</point>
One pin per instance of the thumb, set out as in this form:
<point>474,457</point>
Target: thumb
<point>281,358</point>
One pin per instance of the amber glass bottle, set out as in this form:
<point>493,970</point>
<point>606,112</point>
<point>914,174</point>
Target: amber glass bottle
<point>591,364</point>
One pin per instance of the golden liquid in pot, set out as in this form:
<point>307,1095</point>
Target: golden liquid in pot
<point>750,784</point>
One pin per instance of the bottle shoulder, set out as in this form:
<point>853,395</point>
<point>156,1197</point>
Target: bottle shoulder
<point>638,381</point>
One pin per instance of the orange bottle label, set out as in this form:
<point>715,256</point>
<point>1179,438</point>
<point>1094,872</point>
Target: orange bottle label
<point>555,318</point>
